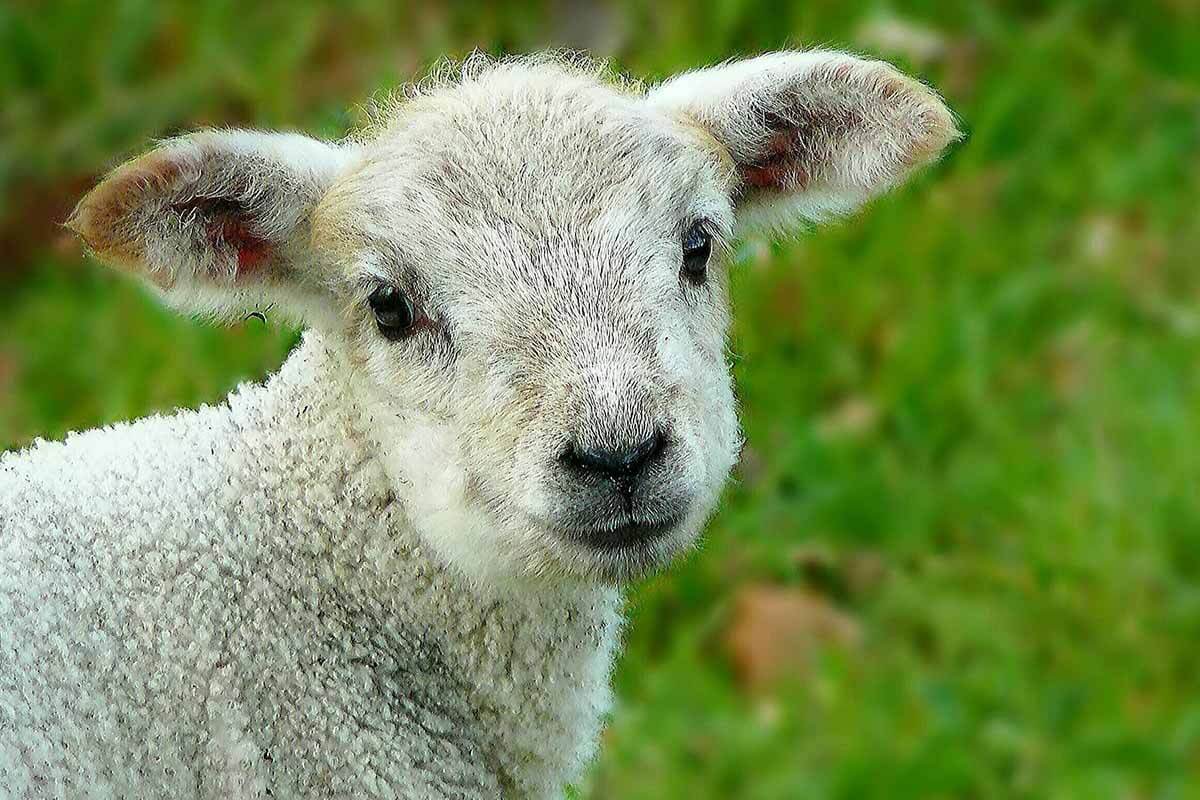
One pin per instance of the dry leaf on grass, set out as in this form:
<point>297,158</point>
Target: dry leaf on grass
<point>775,630</point>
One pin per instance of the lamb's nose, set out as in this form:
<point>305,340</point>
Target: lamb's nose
<point>621,464</point>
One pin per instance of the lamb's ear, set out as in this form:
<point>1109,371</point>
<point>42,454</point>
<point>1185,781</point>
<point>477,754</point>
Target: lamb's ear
<point>811,134</point>
<point>218,221</point>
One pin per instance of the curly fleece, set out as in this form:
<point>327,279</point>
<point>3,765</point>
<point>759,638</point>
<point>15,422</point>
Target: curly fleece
<point>230,602</point>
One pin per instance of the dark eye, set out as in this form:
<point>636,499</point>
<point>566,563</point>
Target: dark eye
<point>394,313</point>
<point>697,246</point>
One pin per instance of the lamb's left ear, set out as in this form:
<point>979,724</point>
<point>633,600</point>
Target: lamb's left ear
<point>218,221</point>
<point>811,134</point>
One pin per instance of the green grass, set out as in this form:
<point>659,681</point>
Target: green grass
<point>987,385</point>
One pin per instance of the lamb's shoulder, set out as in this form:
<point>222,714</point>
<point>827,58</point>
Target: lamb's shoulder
<point>109,606</point>
<point>125,556</point>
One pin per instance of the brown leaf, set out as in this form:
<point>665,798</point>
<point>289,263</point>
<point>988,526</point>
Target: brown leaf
<point>775,631</point>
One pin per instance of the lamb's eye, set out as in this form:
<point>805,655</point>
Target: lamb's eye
<point>394,312</point>
<point>697,246</point>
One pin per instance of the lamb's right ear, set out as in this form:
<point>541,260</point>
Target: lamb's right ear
<point>218,221</point>
<point>810,134</point>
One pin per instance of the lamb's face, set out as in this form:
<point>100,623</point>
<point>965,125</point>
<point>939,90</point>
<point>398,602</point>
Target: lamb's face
<point>560,248</point>
<point>526,271</point>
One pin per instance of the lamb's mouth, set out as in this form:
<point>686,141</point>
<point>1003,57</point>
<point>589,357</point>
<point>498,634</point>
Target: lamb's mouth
<point>625,534</point>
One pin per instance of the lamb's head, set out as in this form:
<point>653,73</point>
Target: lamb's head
<point>524,269</point>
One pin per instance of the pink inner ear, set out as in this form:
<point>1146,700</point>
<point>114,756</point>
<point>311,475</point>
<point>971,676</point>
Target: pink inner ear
<point>225,225</point>
<point>252,251</point>
<point>250,259</point>
<point>779,169</point>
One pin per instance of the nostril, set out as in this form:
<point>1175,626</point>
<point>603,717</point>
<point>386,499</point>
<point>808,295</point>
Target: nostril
<point>643,453</point>
<point>616,463</point>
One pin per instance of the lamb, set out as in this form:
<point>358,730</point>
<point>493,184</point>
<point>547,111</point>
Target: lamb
<point>394,568</point>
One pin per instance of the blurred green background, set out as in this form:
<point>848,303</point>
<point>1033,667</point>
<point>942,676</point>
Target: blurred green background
<point>961,556</point>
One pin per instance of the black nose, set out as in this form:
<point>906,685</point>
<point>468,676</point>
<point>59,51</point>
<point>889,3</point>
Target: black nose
<point>619,464</point>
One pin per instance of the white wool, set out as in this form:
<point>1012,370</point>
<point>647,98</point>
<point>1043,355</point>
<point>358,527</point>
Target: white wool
<point>223,600</point>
